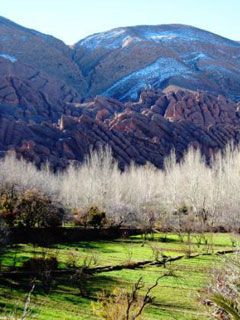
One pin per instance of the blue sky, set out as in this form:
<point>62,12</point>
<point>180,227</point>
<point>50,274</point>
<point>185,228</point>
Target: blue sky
<point>72,20</point>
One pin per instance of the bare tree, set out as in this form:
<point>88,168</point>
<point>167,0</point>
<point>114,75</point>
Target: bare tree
<point>123,305</point>
<point>141,195</point>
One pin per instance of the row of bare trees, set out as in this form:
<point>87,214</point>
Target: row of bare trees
<point>189,191</point>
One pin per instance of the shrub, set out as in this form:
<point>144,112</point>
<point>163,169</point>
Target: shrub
<point>96,217</point>
<point>40,264</point>
<point>3,232</point>
<point>37,210</point>
<point>79,218</point>
<point>29,208</point>
<point>42,268</point>
<point>93,217</point>
<point>81,276</point>
<point>224,291</point>
<point>123,305</point>
<point>8,204</point>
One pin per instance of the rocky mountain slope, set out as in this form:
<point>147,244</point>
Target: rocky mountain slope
<point>37,72</point>
<point>43,52</point>
<point>121,62</point>
<point>47,113</point>
<point>143,131</point>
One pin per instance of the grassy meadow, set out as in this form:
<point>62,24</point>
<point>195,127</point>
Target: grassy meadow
<point>179,294</point>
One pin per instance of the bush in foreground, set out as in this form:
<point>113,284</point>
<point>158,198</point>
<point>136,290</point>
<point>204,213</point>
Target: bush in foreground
<point>29,208</point>
<point>225,289</point>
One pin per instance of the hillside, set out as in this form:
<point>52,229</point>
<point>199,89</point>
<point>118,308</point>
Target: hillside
<point>121,62</point>
<point>37,72</point>
<point>143,90</point>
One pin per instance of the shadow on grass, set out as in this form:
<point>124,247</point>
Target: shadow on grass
<point>62,285</point>
<point>150,239</point>
<point>100,246</point>
<point>64,293</point>
<point>13,256</point>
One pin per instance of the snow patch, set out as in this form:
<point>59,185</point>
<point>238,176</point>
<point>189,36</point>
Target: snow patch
<point>200,56</point>
<point>163,37</point>
<point>195,56</point>
<point>8,57</point>
<point>121,37</point>
<point>110,40</point>
<point>187,34</point>
<point>152,75</point>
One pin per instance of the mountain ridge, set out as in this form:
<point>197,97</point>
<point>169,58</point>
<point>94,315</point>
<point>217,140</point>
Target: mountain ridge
<point>102,70</point>
<point>172,89</point>
<point>166,26</point>
<point>109,60</point>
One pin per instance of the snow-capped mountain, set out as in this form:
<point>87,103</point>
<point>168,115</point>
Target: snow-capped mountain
<point>46,88</point>
<point>118,37</point>
<point>123,61</point>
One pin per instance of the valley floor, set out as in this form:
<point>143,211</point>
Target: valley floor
<point>179,294</point>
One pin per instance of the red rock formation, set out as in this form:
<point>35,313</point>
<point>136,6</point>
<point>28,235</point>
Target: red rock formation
<point>144,131</point>
<point>40,96</point>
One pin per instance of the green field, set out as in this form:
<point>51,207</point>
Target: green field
<point>178,296</point>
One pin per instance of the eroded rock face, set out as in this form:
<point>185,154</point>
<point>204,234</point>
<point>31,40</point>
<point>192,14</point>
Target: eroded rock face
<point>143,131</point>
<point>33,94</point>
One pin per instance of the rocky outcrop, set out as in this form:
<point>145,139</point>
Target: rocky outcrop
<point>143,131</point>
<point>33,94</point>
